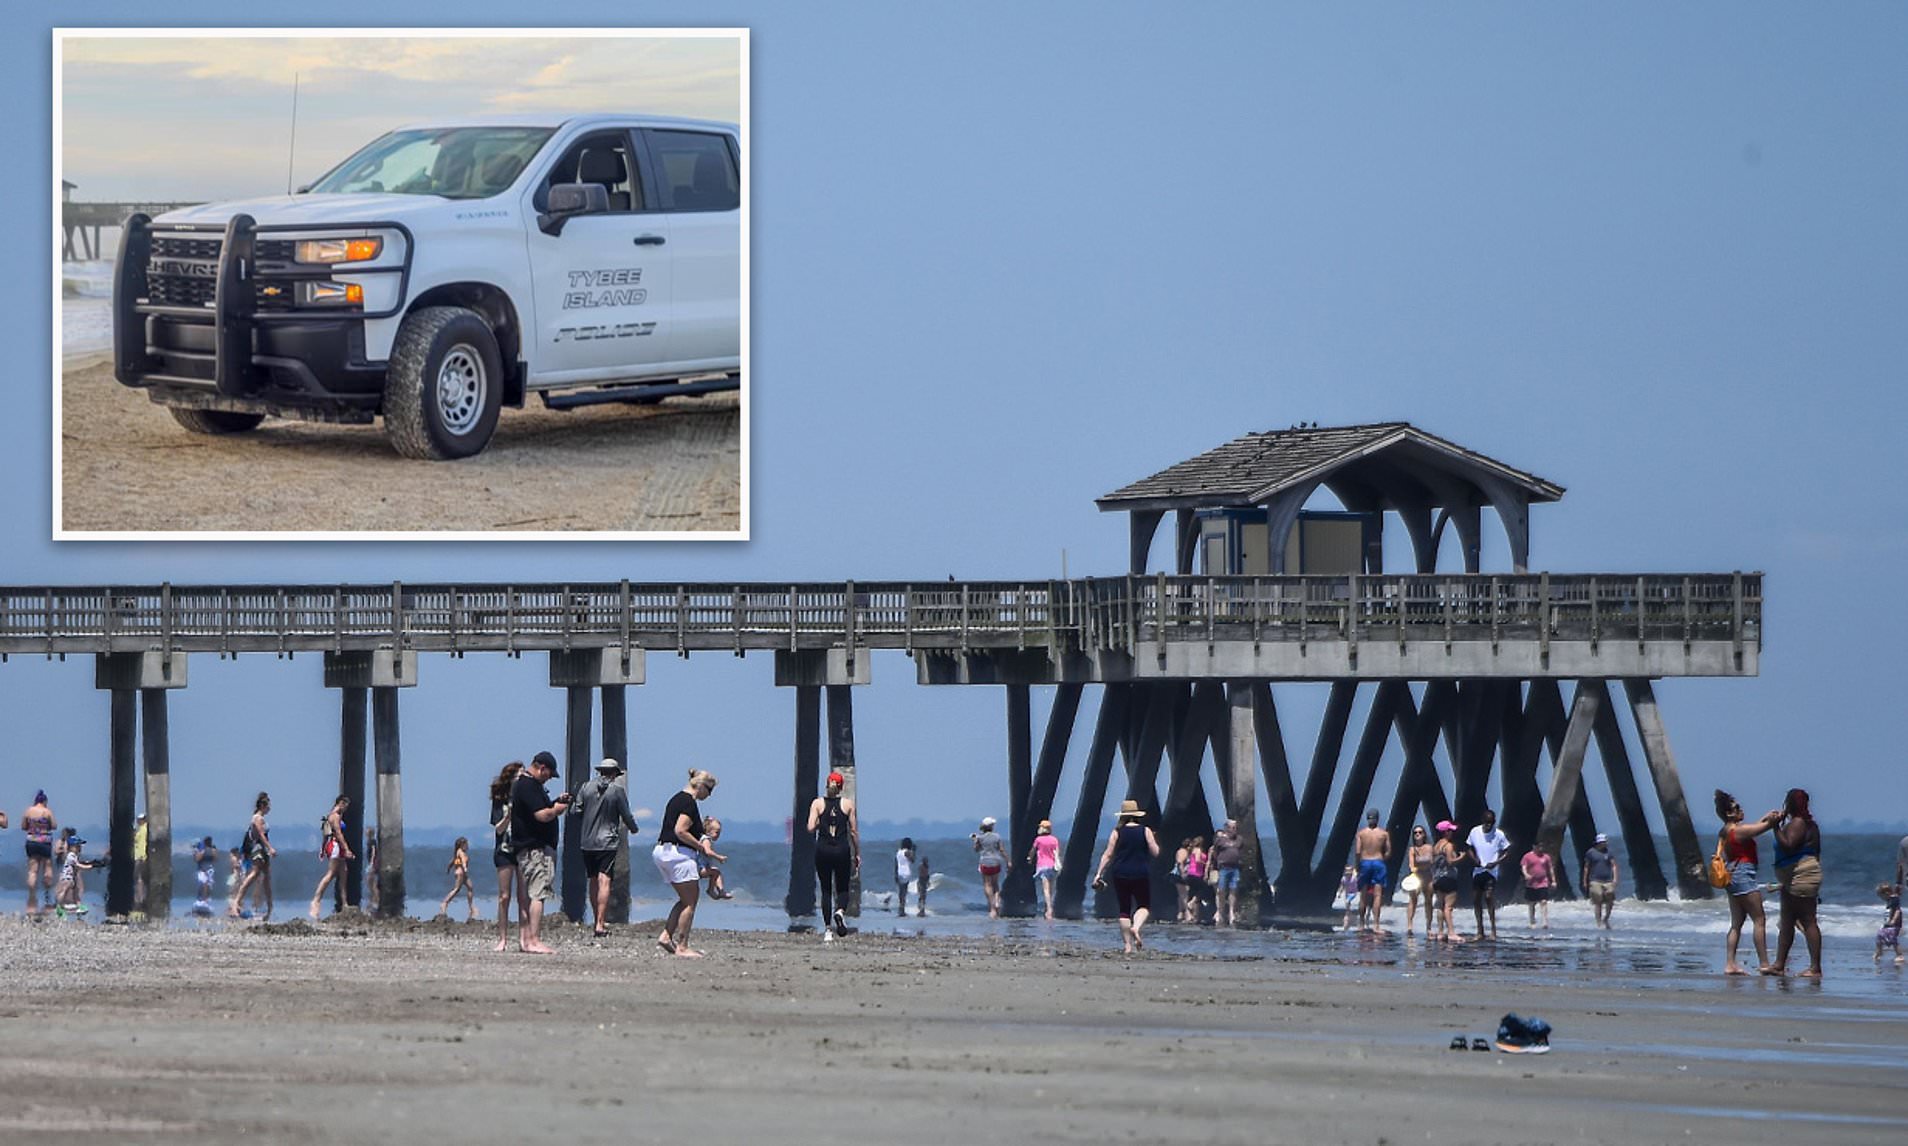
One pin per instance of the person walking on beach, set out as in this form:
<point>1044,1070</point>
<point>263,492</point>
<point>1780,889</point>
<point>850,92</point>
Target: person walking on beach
<point>1198,860</point>
<point>1488,846</point>
<point>678,853</point>
<point>903,874</point>
<point>1737,843</point>
<point>1228,857</point>
<point>333,849</point>
<point>921,875</point>
<point>1373,848</point>
<point>831,816</point>
<point>258,856</point>
<point>1417,878</point>
<point>1599,880</point>
<point>991,852</point>
<point>39,825</point>
<point>1445,858</point>
<point>603,806</point>
<point>533,840</point>
<point>1045,858</point>
<point>459,869</point>
<point>1540,873</point>
<point>1888,935</point>
<point>1798,866</point>
<point>1130,850</point>
<point>205,857</point>
<point>502,857</point>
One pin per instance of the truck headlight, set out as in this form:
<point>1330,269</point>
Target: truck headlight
<point>327,251</point>
<point>320,293</point>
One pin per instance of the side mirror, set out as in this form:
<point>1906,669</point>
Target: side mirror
<point>304,188</point>
<point>567,201</point>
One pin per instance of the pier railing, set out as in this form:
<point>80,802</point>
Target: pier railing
<point>1117,613</point>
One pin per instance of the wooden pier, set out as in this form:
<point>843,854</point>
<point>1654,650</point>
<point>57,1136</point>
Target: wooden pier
<point>1467,670</point>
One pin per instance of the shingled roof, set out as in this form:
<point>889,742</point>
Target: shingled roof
<point>1248,470</point>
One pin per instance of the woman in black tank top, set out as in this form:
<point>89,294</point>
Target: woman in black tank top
<point>837,854</point>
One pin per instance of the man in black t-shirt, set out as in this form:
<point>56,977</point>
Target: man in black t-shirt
<point>533,838</point>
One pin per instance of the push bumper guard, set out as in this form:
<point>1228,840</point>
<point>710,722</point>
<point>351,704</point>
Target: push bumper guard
<point>227,352</point>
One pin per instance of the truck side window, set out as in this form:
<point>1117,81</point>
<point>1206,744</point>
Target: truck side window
<point>695,171</point>
<point>602,158</point>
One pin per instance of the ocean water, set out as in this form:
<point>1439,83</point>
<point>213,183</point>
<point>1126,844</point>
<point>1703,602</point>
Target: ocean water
<point>86,295</point>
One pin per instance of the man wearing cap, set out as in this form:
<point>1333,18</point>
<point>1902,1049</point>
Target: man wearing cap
<point>1372,849</point>
<point>1600,879</point>
<point>603,810</point>
<point>533,839</point>
<point>1488,845</point>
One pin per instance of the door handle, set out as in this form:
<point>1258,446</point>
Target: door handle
<point>649,240</point>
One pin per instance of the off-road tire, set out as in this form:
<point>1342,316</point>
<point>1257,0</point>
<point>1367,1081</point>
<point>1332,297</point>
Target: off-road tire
<point>415,420</point>
<point>217,422</point>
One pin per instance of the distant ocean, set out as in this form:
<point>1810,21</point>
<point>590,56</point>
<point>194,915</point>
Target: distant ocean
<point>86,295</point>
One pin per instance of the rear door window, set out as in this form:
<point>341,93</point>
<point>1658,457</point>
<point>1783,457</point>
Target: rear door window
<point>695,171</point>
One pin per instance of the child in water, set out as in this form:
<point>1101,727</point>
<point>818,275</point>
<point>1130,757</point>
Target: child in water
<point>1348,887</point>
<point>459,868</point>
<point>1890,934</point>
<point>205,856</point>
<point>712,864</point>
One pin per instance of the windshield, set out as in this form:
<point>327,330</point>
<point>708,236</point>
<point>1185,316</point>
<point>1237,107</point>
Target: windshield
<point>456,163</point>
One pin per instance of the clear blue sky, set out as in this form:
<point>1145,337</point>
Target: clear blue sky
<point>1008,257</point>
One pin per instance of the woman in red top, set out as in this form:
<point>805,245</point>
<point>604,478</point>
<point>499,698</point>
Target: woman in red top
<point>1738,840</point>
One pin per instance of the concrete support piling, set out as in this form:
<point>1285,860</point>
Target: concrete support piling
<point>616,747</point>
<point>1238,773</point>
<point>841,758</point>
<point>1639,845</point>
<point>156,760</point>
<point>1566,781</point>
<point>120,875</point>
<point>390,823</point>
<point>576,772</point>
<point>800,901</point>
<point>1083,838</point>
<point>353,725</point>
<point>1040,793</point>
<point>1684,846</point>
<point>1017,891</point>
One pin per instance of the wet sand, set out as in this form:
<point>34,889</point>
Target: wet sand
<point>126,465</point>
<point>349,1032</point>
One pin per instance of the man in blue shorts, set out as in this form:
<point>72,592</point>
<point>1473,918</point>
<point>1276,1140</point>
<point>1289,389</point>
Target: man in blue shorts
<point>1488,846</point>
<point>1372,850</point>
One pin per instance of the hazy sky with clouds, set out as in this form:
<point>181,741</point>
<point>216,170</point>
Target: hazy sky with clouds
<point>130,101</point>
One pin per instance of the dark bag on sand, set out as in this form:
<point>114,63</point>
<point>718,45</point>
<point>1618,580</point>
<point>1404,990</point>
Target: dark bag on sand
<point>1523,1032</point>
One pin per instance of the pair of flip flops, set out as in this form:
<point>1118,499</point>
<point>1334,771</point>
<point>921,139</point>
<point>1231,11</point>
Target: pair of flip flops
<point>1459,1042</point>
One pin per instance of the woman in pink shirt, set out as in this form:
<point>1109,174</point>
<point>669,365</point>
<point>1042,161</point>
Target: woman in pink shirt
<point>1540,872</point>
<point>1045,858</point>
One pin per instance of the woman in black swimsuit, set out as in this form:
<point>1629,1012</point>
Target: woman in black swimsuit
<point>501,857</point>
<point>1130,850</point>
<point>837,853</point>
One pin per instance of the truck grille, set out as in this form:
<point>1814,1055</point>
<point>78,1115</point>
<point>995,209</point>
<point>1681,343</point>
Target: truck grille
<point>183,272</point>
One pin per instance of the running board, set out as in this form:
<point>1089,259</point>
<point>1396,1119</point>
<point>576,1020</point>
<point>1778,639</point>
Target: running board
<point>647,392</point>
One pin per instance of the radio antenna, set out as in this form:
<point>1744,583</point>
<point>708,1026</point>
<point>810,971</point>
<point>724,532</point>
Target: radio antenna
<point>292,153</point>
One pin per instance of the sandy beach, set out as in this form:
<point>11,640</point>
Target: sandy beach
<point>351,1032</point>
<point>126,465</point>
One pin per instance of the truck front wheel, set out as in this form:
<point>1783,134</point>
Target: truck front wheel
<point>444,387</point>
<point>215,421</point>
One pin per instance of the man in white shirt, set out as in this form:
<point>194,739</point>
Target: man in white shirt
<point>1488,846</point>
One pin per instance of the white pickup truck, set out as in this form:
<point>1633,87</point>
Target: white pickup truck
<point>443,272</point>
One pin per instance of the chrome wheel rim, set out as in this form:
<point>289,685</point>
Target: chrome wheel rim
<point>460,388</point>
